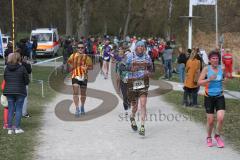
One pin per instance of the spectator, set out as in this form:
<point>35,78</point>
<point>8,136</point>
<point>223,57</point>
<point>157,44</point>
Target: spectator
<point>29,48</point>
<point>28,67</point>
<point>189,51</point>
<point>34,49</point>
<point>161,49</point>
<point>23,48</point>
<point>8,51</point>
<point>16,78</point>
<point>200,58</point>
<point>204,56</point>
<point>190,85</point>
<point>154,55</point>
<point>227,60</point>
<point>181,60</point>
<point>67,51</point>
<point>167,57</point>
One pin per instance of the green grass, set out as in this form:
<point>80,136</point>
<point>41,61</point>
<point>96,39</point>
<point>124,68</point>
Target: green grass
<point>22,146</point>
<point>158,71</point>
<point>230,84</point>
<point>231,127</point>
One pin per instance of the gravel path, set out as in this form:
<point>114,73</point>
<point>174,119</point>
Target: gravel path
<point>169,134</point>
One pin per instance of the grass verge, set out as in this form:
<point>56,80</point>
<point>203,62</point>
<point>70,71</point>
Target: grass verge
<point>22,146</point>
<point>230,84</point>
<point>231,127</point>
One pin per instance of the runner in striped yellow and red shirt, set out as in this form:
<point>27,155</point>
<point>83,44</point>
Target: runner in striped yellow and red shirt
<point>79,63</point>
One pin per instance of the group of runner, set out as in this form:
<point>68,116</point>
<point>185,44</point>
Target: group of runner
<point>133,68</point>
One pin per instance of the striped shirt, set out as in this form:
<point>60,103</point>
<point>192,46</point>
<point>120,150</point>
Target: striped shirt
<point>141,71</point>
<point>79,62</point>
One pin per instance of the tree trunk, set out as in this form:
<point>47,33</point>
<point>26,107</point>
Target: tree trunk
<point>69,27</point>
<point>170,6</point>
<point>83,18</point>
<point>120,32</point>
<point>128,18</point>
<point>105,27</point>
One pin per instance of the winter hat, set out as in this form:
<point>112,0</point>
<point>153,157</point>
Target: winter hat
<point>140,43</point>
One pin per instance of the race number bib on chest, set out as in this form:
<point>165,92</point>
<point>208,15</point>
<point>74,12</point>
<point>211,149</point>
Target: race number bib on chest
<point>106,58</point>
<point>80,78</point>
<point>139,84</point>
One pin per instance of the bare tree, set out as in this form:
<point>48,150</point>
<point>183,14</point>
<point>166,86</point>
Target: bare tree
<point>68,18</point>
<point>128,18</point>
<point>83,18</point>
<point>170,7</point>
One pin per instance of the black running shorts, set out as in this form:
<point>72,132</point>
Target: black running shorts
<point>214,103</point>
<point>82,84</point>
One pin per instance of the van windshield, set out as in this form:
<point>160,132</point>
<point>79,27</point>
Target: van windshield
<point>42,37</point>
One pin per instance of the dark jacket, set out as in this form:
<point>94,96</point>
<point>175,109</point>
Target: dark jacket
<point>34,45</point>
<point>182,58</point>
<point>7,52</point>
<point>16,78</point>
<point>28,67</point>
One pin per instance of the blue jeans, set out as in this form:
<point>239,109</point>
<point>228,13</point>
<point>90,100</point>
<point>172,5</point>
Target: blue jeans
<point>181,70</point>
<point>15,104</point>
<point>168,68</point>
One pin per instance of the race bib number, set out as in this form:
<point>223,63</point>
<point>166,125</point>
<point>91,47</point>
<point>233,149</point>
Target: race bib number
<point>80,78</point>
<point>106,58</point>
<point>139,84</point>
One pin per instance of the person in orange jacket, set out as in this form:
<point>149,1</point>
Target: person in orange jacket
<point>227,59</point>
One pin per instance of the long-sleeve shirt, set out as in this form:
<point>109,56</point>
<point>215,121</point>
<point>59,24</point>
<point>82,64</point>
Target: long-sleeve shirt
<point>142,64</point>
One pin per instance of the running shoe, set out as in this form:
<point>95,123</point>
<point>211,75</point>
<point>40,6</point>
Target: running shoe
<point>10,131</point>
<point>26,116</point>
<point>220,143</point>
<point>133,124</point>
<point>142,130</point>
<point>82,110</point>
<point>209,142</point>
<point>19,131</point>
<point>5,126</point>
<point>77,112</point>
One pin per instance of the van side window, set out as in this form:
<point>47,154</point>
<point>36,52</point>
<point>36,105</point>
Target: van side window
<point>54,37</point>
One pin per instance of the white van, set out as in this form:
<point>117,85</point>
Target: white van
<point>5,40</point>
<point>48,41</point>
